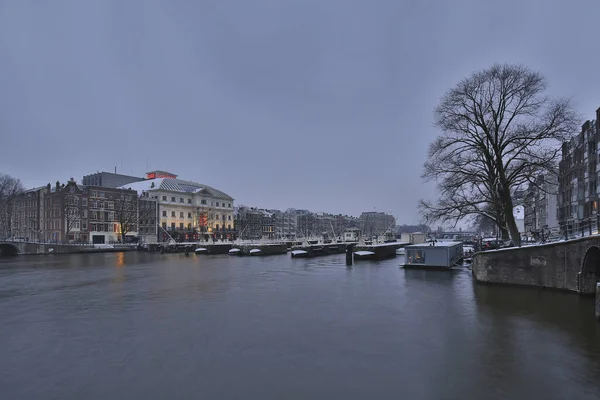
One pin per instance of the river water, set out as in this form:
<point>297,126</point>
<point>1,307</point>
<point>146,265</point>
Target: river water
<point>151,326</point>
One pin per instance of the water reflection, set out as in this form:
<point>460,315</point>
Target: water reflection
<point>120,259</point>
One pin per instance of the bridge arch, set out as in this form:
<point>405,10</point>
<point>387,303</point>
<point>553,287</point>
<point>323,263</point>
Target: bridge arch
<point>8,249</point>
<point>590,271</point>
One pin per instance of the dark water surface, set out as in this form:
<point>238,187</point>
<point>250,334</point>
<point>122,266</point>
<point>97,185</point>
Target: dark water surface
<point>150,326</point>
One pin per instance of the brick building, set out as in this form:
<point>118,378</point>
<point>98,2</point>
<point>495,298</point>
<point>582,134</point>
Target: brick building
<point>376,223</point>
<point>578,180</point>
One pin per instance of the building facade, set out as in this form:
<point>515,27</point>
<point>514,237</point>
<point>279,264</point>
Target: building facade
<point>187,211</point>
<point>376,223</point>
<point>541,207</point>
<point>249,223</point>
<point>306,225</point>
<point>73,213</point>
<point>578,180</point>
<point>27,214</point>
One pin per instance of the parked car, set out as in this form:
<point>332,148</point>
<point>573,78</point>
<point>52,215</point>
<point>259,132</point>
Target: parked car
<point>493,244</point>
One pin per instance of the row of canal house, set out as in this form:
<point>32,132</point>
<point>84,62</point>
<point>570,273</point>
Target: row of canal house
<point>73,213</point>
<point>110,206</point>
<point>578,189</point>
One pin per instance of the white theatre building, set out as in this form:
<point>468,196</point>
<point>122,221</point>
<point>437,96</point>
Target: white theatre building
<point>188,210</point>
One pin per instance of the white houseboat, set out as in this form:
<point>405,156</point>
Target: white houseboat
<point>433,255</point>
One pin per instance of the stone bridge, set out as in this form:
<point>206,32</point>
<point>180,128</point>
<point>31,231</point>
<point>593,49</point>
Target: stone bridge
<point>572,265</point>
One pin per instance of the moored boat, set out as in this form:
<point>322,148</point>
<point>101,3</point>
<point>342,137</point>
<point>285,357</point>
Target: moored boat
<point>433,255</point>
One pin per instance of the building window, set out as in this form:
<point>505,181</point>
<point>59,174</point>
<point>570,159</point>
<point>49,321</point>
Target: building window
<point>84,201</point>
<point>111,205</point>
<point>164,213</point>
<point>203,201</point>
<point>212,203</point>
<point>229,217</point>
<point>164,225</point>
<point>189,215</point>
<point>189,201</point>
<point>181,199</point>
<point>181,226</point>
<point>217,216</point>
<point>173,199</point>
<point>84,225</point>
<point>229,205</point>
<point>229,226</point>
<point>217,204</point>
<point>172,226</point>
<point>181,214</point>
<point>217,226</point>
<point>190,227</point>
<point>172,214</point>
<point>164,198</point>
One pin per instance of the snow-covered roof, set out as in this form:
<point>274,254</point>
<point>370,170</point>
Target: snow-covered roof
<point>437,244</point>
<point>175,185</point>
<point>143,186</point>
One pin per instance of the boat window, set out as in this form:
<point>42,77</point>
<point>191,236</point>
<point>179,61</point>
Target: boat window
<point>416,256</point>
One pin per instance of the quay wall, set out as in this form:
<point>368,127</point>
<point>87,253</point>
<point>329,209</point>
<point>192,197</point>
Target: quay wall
<point>558,265</point>
<point>25,248</point>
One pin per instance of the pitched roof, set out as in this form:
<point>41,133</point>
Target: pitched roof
<point>176,185</point>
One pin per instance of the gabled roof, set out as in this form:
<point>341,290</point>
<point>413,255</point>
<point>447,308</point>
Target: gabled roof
<point>176,185</point>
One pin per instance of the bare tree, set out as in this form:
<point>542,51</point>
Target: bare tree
<point>10,188</point>
<point>129,211</point>
<point>499,131</point>
<point>71,213</point>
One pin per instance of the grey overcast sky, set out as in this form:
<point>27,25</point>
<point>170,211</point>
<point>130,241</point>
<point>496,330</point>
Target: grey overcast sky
<point>318,104</point>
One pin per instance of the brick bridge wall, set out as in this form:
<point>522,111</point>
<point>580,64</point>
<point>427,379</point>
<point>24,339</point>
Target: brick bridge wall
<point>554,265</point>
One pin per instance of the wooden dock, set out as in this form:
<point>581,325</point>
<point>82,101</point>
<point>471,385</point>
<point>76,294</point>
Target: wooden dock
<point>315,250</point>
<point>258,249</point>
<point>379,251</point>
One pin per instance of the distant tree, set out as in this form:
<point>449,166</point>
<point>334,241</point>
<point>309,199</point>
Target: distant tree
<point>129,210</point>
<point>412,228</point>
<point>10,188</point>
<point>71,214</point>
<point>499,131</point>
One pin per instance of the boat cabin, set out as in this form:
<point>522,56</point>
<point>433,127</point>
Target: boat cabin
<point>433,254</point>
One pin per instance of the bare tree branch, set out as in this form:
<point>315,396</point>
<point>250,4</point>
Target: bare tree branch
<point>499,132</point>
<point>10,188</point>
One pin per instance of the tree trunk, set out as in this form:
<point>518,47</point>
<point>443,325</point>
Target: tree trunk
<point>511,224</point>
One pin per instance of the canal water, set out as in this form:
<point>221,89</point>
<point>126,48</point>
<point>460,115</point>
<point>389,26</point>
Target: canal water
<point>151,326</point>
